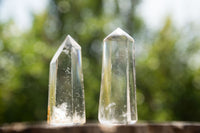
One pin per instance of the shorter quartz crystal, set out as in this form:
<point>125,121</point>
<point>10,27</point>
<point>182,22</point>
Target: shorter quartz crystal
<point>66,105</point>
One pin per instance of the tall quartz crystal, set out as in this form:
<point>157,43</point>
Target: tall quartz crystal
<point>117,104</point>
<point>66,103</point>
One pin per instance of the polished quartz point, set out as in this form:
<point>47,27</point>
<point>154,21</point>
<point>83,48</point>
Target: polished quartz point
<point>66,105</point>
<point>117,104</point>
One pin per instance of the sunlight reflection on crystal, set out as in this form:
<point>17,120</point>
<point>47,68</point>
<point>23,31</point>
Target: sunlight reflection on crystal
<point>66,103</point>
<point>117,104</point>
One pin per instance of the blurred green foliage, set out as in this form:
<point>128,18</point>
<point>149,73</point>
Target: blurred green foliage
<point>167,67</point>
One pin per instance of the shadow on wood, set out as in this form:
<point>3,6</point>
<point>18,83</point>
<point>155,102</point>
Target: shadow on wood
<point>173,127</point>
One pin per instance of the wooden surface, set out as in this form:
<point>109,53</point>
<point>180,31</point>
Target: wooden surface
<point>173,127</point>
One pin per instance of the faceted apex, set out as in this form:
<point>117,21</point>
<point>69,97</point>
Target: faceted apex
<point>118,32</point>
<point>69,41</point>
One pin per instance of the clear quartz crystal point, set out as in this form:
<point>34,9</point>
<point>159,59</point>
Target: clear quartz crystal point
<point>117,104</point>
<point>66,105</point>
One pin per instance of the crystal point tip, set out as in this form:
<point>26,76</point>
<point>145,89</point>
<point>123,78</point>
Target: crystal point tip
<point>70,41</point>
<point>118,32</point>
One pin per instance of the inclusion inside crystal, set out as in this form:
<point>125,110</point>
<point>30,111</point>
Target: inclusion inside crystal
<point>117,97</point>
<point>66,92</point>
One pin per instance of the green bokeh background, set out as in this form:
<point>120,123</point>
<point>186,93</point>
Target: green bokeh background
<point>167,68</point>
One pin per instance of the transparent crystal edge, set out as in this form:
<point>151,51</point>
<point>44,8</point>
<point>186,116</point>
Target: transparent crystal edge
<point>58,52</point>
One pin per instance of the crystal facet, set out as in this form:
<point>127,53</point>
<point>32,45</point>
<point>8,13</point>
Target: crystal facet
<point>117,104</point>
<point>66,103</point>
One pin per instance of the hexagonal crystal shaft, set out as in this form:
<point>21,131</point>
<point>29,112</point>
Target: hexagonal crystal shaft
<point>117,104</point>
<point>66,103</point>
